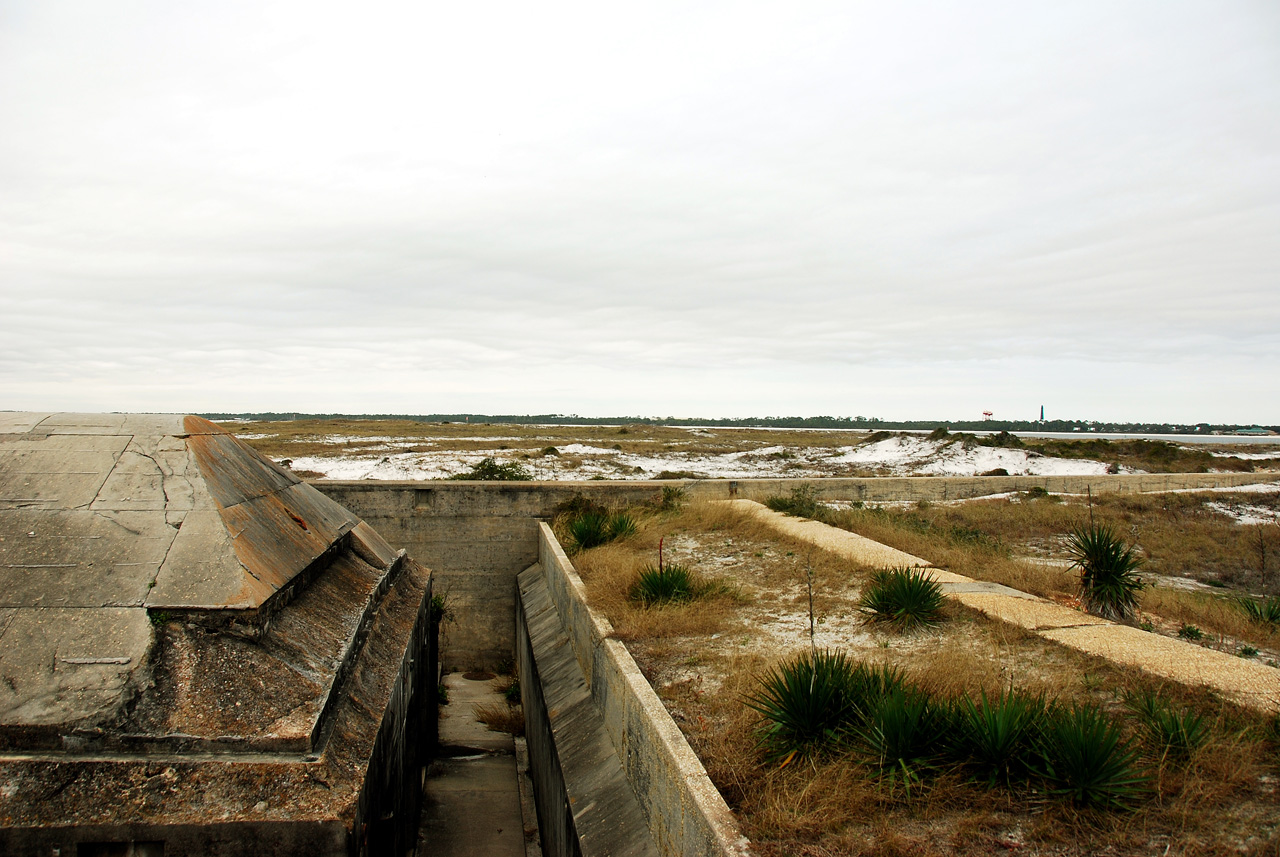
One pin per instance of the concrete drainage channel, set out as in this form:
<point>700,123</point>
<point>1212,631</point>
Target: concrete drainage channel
<point>607,769</point>
<point>473,803</point>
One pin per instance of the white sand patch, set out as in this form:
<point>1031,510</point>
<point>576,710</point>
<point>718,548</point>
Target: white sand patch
<point>955,460</point>
<point>1245,514</point>
<point>1253,488</point>
<point>403,466</point>
<point>1247,456</point>
<point>583,449</point>
<point>907,456</point>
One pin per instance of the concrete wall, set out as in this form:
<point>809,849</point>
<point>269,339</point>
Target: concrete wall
<point>587,807</point>
<point>477,536</point>
<point>685,813</point>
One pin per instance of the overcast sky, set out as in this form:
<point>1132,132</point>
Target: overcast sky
<point>903,210</point>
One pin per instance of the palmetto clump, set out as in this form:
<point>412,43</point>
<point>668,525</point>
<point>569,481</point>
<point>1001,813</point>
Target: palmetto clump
<point>1109,583</point>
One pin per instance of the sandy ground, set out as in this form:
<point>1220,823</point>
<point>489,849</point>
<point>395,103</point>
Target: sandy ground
<point>390,458</point>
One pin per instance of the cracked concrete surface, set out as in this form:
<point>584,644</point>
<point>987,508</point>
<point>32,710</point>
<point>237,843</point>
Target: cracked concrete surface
<point>105,515</point>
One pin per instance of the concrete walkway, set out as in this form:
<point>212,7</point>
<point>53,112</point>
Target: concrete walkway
<point>472,806</point>
<point>1247,682</point>
<point>842,543</point>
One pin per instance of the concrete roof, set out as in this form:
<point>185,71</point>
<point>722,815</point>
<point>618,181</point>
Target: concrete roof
<point>109,522</point>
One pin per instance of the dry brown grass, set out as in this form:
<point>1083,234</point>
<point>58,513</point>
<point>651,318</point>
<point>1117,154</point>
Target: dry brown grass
<point>835,805</point>
<point>297,438</point>
<point>1178,536</point>
<point>500,717</point>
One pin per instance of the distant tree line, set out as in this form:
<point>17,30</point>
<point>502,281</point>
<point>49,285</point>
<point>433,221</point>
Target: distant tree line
<point>822,422</point>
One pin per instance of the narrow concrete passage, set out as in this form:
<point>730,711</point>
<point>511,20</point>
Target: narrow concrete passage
<point>472,802</point>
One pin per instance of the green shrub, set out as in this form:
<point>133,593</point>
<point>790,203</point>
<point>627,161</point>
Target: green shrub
<point>1084,758</point>
<point>802,503</point>
<point>997,737</point>
<point>1109,583</point>
<point>489,470</point>
<point>904,598</point>
<point>1265,611</point>
<point>591,529</point>
<point>621,526</point>
<point>906,731</point>
<point>670,583</point>
<point>672,498</point>
<point>1175,733</point>
<point>807,704</point>
<point>1190,632</point>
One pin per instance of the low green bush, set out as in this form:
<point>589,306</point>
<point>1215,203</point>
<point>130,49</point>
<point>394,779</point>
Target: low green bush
<point>996,737</point>
<point>905,732</point>
<point>666,584</point>
<point>1265,611</point>
<point>1109,582</point>
<point>1173,733</point>
<point>489,470</point>
<point>904,598</point>
<point>807,705</point>
<point>1084,758</point>
<point>801,503</point>
<point>591,529</point>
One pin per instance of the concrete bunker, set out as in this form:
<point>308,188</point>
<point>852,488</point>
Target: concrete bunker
<point>199,653</point>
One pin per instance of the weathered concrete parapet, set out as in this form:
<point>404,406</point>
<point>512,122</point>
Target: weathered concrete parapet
<point>199,653</point>
<point>885,489</point>
<point>685,812</point>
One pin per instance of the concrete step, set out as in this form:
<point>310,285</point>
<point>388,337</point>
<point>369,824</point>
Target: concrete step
<point>472,802</point>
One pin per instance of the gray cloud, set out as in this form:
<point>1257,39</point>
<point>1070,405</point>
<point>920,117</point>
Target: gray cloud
<point>735,209</point>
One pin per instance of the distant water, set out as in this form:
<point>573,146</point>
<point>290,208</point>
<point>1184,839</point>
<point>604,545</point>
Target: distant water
<point>1172,438</point>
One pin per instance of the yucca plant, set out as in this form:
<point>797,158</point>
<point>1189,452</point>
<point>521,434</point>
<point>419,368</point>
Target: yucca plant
<point>1265,611</point>
<point>868,684</point>
<point>904,598</point>
<point>1085,759</point>
<point>591,529</point>
<point>806,704</point>
<point>905,731</point>
<point>1173,733</point>
<point>1109,583</point>
<point>621,525</point>
<point>997,736</point>
<point>664,584</point>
